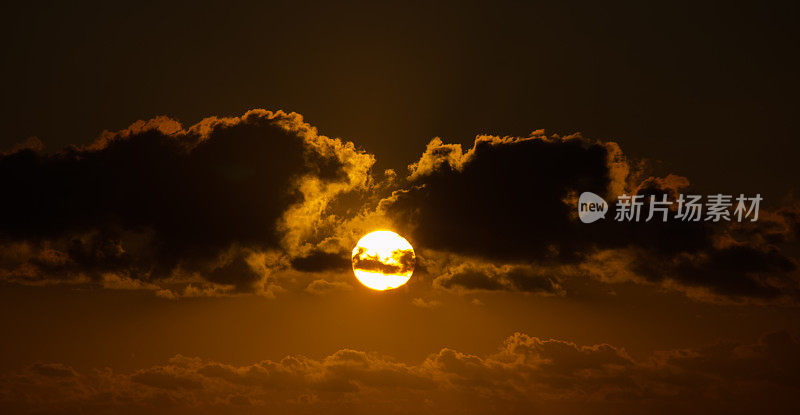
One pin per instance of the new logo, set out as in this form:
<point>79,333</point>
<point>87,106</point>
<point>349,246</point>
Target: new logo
<point>591,207</point>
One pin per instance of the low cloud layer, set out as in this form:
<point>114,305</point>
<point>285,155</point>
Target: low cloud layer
<point>525,374</point>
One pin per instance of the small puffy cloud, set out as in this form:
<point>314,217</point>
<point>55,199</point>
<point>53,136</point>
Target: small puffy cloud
<point>322,287</point>
<point>422,303</point>
<point>466,274</point>
<point>30,143</point>
<point>471,276</point>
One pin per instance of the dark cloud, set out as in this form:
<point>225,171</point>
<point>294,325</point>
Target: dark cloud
<point>321,261</point>
<point>156,199</point>
<point>402,261</point>
<point>502,199</point>
<point>526,373</point>
<point>512,201</point>
<point>732,270</point>
<point>775,357</point>
<point>56,370</point>
<point>480,276</point>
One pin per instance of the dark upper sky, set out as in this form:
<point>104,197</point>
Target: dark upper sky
<point>709,90</point>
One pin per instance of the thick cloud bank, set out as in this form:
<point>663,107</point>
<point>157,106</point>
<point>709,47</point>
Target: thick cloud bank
<point>511,201</point>
<point>157,202</point>
<point>220,207</point>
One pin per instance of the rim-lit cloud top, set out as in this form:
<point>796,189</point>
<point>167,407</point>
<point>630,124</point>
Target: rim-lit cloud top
<point>230,205</point>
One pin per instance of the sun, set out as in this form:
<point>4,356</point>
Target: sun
<point>383,260</point>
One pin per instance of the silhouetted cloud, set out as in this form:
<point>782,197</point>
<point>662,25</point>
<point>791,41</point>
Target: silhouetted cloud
<point>402,261</point>
<point>157,201</point>
<point>320,261</point>
<point>481,276</point>
<point>511,202</point>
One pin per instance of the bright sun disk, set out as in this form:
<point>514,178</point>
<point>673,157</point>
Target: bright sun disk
<point>383,260</point>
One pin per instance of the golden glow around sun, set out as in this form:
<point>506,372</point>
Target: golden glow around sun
<point>383,260</point>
